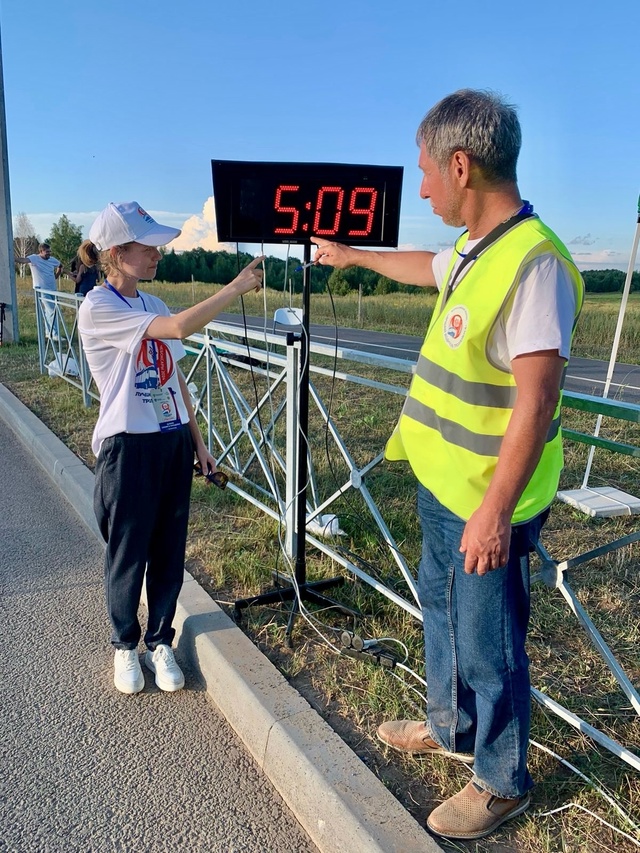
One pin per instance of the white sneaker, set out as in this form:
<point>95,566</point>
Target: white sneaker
<point>162,663</point>
<point>127,676</point>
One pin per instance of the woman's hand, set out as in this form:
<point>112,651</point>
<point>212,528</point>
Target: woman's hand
<point>250,278</point>
<point>206,461</point>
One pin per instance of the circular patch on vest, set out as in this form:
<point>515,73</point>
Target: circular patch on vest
<point>455,326</point>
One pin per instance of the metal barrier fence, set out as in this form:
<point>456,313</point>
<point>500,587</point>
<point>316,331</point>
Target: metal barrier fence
<point>244,387</point>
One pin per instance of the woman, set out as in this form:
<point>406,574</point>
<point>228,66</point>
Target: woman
<point>85,277</point>
<point>146,433</point>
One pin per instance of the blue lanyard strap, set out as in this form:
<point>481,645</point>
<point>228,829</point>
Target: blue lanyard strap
<point>525,210</point>
<point>120,296</point>
<point>154,354</point>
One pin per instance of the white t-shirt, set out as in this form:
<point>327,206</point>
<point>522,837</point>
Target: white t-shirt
<point>539,317</point>
<point>125,365</point>
<point>43,271</point>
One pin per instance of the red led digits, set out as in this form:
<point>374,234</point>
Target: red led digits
<point>328,232</point>
<point>363,211</point>
<point>295,213</point>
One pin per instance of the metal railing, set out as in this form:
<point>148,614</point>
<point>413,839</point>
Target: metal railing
<point>244,387</point>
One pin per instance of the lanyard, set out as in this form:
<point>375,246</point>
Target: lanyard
<point>120,296</point>
<point>525,212</point>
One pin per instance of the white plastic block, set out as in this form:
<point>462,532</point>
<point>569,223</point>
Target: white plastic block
<point>601,502</point>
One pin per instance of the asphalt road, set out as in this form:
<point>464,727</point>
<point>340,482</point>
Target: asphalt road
<point>85,768</point>
<point>584,375</point>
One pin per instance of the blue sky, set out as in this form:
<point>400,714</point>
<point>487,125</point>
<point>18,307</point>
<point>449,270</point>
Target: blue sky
<point>120,100</point>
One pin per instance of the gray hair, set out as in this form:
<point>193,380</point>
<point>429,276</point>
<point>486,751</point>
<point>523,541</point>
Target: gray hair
<point>480,123</point>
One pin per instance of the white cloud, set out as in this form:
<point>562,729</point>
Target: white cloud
<point>199,231</point>
<point>602,259</point>
<point>587,240</point>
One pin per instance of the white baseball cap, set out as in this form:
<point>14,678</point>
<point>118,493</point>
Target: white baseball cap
<point>127,223</point>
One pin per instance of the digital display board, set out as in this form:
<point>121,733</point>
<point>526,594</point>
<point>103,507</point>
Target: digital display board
<point>258,202</point>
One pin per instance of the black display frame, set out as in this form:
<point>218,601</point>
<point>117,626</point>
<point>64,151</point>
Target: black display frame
<point>354,204</point>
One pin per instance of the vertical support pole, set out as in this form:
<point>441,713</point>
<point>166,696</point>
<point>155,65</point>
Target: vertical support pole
<point>7,267</point>
<point>40,327</point>
<point>85,373</point>
<point>208,369</point>
<point>291,459</point>
<point>303,422</point>
<point>616,341</point>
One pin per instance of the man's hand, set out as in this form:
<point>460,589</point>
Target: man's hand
<point>406,267</point>
<point>334,254</point>
<point>485,541</point>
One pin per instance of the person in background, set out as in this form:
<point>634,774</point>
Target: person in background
<point>480,428</point>
<point>85,277</point>
<point>146,433</point>
<point>45,272</point>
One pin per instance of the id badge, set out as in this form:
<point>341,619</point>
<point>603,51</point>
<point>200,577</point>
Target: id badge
<point>163,400</point>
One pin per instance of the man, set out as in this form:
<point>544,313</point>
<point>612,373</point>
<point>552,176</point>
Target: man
<point>45,272</point>
<point>480,429</point>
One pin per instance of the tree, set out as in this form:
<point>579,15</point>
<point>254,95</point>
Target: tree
<point>25,240</point>
<point>65,239</point>
<point>338,283</point>
<point>385,285</point>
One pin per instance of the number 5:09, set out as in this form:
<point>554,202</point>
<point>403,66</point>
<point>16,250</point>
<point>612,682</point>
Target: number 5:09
<point>324,215</point>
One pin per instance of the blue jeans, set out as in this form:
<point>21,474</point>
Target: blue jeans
<point>477,669</point>
<point>49,314</point>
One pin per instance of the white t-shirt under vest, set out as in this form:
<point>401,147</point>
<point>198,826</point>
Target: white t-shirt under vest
<point>540,316</point>
<point>125,365</point>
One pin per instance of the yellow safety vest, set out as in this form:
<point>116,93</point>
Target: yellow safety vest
<point>459,403</point>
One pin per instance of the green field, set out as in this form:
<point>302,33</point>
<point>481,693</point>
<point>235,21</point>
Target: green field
<point>409,314</point>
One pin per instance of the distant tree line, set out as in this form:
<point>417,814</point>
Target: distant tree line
<point>221,267</point>
<point>608,281</point>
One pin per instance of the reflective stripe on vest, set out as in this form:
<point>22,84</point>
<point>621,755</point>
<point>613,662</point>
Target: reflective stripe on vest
<point>460,403</point>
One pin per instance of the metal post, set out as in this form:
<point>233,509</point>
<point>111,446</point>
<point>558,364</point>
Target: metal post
<point>209,367</point>
<point>293,371</point>
<point>616,341</point>
<point>303,423</point>
<point>7,267</point>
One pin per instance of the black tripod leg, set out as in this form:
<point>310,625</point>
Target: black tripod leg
<point>292,616</point>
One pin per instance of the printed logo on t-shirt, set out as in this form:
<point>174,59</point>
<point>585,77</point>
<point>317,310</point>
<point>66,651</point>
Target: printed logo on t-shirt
<point>154,364</point>
<point>455,326</point>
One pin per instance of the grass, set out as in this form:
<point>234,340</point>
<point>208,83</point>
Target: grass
<point>409,314</point>
<point>233,548</point>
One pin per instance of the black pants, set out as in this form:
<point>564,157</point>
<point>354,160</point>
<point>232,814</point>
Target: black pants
<point>141,502</point>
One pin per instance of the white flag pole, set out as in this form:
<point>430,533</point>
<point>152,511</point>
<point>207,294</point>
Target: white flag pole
<point>616,340</point>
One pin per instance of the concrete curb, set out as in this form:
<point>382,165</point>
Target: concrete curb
<point>340,803</point>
